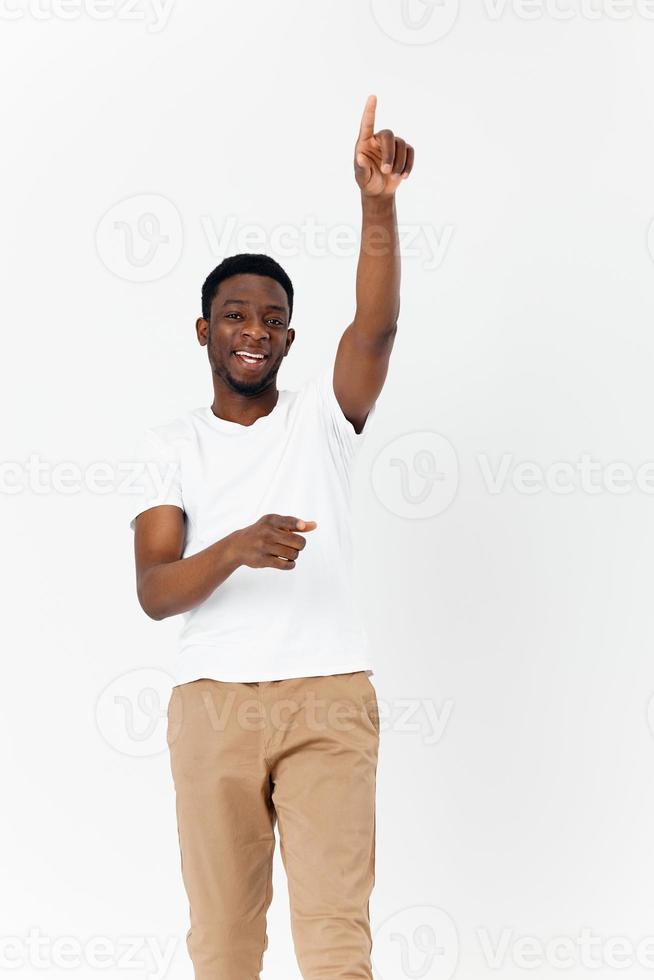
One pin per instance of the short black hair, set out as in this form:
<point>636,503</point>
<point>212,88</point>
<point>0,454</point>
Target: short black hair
<point>243,264</point>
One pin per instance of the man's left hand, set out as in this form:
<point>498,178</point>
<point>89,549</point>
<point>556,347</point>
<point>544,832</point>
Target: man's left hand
<point>381,160</point>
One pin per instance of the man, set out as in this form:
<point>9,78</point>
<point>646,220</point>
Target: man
<point>269,621</point>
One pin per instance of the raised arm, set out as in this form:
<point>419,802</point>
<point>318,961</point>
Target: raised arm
<point>381,162</point>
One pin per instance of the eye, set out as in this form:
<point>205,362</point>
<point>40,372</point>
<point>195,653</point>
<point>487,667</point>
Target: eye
<point>232,314</point>
<point>277,322</point>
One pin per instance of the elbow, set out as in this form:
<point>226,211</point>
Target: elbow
<point>386,336</point>
<point>386,333</point>
<point>373,335</point>
<point>151,611</point>
<point>154,614</point>
<point>150,607</point>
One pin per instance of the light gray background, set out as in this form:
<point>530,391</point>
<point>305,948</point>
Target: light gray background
<point>512,630</point>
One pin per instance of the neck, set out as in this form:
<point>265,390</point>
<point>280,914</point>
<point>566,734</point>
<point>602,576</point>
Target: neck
<point>234,406</point>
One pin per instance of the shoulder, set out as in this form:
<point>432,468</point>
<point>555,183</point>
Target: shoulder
<point>175,433</point>
<point>320,387</point>
<point>317,385</point>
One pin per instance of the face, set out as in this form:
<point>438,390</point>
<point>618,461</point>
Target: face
<point>247,335</point>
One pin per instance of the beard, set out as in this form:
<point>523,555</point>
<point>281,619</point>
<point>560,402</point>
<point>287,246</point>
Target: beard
<point>248,388</point>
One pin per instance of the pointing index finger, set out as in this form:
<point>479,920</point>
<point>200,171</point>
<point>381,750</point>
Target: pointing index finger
<point>367,128</point>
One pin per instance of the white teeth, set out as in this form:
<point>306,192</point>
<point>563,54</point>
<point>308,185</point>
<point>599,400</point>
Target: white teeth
<point>249,356</point>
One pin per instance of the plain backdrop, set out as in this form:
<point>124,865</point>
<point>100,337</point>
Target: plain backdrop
<point>502,500</point>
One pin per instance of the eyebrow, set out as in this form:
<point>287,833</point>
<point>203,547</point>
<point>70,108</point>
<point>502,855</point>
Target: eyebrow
<point>245,302</point>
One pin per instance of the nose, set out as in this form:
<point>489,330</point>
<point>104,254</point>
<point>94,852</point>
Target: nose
<point>255,328</point>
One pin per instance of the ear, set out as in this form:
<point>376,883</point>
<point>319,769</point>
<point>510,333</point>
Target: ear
<point>202,331</point>
<point>290,337</point>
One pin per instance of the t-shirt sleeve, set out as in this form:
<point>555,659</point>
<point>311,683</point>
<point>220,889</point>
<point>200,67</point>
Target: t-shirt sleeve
<point>340,430</point>
<point>157,475</point>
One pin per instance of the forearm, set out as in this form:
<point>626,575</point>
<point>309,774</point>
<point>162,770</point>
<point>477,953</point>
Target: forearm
<point>170,588</point>
<point>378,270</point>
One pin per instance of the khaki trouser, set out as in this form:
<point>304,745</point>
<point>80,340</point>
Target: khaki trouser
<point>301,751</point>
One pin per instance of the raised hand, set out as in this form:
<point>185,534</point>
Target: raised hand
<point>381,160</point>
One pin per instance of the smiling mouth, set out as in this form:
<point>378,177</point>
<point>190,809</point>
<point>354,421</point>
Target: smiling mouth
<point>249,358</point>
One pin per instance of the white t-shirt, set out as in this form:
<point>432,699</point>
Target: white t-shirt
<point>265,624</point>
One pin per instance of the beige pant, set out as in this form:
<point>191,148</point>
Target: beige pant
<point>300,751</point>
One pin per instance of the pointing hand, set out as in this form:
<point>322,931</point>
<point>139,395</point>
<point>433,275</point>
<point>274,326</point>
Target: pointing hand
<point>381,160</point>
